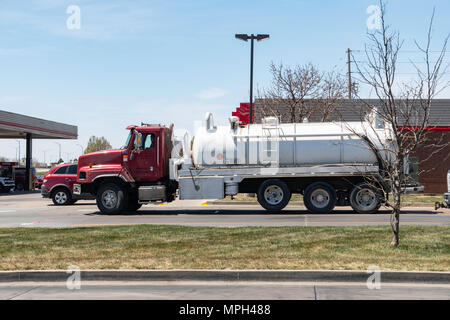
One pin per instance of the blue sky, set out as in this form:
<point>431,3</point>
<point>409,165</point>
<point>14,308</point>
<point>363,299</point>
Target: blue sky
<point>171,61</point>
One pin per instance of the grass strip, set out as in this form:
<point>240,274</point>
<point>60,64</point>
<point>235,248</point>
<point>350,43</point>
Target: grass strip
<point>422,248</point>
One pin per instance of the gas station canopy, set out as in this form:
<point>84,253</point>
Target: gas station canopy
<point>14,126</point>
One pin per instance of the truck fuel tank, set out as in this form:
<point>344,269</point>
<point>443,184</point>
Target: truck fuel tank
<point>152,193</point>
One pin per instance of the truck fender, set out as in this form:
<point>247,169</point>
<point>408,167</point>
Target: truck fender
<point>110,176</point>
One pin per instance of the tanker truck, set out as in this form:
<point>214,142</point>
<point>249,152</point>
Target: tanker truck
<point>330,164</point>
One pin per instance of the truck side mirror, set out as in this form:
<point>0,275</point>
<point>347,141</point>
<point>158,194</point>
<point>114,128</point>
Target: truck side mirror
<point>137,140</point>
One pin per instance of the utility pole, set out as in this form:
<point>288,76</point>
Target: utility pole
<point>349,73</point>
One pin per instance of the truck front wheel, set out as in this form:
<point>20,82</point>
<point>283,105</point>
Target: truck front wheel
<point>274,195</point>
<point>320,197</point>
<point>111,198</point>
<point>133,204</point>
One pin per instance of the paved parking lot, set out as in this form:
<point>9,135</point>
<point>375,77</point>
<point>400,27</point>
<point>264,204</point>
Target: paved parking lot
<point>31,210</point>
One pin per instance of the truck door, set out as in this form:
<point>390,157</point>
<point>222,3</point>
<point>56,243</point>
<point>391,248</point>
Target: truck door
<point>144,163</point>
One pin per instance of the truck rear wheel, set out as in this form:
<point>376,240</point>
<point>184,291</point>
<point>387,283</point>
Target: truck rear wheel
<point>365,198</point>
<point>319,197</point>
<point>111,198</point>
<point>274,195</point>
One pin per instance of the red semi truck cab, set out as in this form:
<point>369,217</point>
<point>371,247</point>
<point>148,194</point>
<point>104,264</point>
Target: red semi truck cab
<point>121,178</point>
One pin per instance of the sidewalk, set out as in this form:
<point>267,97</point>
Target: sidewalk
<point>227,275</point>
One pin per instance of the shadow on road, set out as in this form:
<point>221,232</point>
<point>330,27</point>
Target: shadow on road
<point>51,204</point>
<point>17,193</point>
<point>237,212</point>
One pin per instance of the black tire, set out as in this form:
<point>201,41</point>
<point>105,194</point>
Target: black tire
<point>19,186</point>
<point>365,198</point>
<point>111,198</point>
<point>319,197</point>
<point>61,197</point>
<point>274,195</point>
<point>133,206</point>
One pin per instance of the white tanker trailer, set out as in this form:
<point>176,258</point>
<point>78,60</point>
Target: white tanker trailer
<point>328,163</point>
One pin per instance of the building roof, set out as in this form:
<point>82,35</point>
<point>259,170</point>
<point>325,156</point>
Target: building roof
<point>14,125</point>
<point>351,110</point>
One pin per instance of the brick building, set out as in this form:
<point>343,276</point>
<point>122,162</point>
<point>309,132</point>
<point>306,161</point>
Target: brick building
<point>431,172</point>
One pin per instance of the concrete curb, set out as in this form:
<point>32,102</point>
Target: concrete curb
<point>299,203</point>
<point>227,275</point>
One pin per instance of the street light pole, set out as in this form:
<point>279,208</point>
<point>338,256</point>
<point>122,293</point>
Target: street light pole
<point>45,151</point>
<point>252,37</point>
<point>82,149</point>
<point>15,148</point>
<point>251,80</point>
<point>18,141</point>
<point>59,144</point>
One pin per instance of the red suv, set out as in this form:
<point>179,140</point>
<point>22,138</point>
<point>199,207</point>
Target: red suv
<point>58,184</point>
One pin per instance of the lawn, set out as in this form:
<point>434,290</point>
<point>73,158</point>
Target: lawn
<point>177,247</point>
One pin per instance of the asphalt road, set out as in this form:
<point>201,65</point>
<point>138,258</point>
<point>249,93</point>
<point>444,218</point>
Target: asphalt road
<point>208,290</point>
<point>31,210</point>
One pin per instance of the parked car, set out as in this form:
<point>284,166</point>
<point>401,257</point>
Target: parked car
<point>58,184</point>
<point>19,177</point>
<point>6,181</point>
<point>413,188</point>
<point>6,184</point>
<point>39,181</point>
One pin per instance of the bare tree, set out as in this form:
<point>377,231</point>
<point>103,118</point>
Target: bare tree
<point>333,88</point>
<point>403,107</point>
<point>291,87</point>
<point>301,92</point>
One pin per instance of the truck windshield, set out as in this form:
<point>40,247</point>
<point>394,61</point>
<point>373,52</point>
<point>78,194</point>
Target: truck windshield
<point>128,140</point>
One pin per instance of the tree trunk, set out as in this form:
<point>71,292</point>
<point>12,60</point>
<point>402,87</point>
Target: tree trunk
<point>395,214</point>
<point>395,223</point>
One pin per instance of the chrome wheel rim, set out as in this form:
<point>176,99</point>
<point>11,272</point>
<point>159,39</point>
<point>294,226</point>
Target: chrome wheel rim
<point>320,198</point>
<point>273,195</point>
<point>61,197</point>
<point>109,199</point>
<point>366,199</point>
